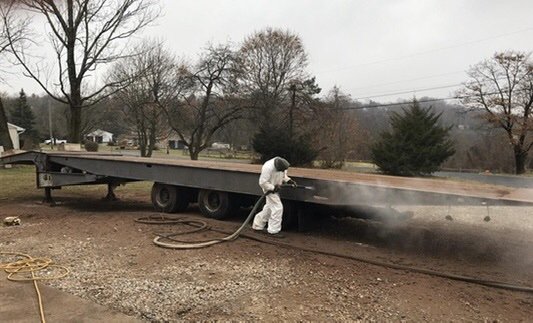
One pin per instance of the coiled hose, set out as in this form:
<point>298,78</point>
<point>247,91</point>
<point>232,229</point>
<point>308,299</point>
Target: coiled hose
<point>200,225</point>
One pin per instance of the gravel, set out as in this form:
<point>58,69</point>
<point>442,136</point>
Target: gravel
<point>113,262</point>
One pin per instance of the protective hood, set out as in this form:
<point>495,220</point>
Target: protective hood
<point>281,164</point>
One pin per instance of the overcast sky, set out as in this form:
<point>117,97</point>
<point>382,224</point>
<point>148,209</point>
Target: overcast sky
<point>367,48</point>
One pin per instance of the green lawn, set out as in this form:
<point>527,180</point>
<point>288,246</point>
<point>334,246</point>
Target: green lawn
<point>18,184</point>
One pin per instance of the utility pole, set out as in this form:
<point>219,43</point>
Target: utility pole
<point>50,124</point>
<point>292,88</point>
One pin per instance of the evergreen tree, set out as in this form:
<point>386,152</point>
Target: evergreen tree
<point>270,142</point>
<point>22,116</point>
<point>416,144</point>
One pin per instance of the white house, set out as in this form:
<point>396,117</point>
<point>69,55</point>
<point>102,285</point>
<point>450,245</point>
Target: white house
<point>100,136</point>
<point>14,132</point>
<point>220,145</point>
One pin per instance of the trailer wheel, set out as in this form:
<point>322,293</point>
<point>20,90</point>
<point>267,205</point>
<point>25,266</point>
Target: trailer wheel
<point>169,198</point>
<point>215,204</point>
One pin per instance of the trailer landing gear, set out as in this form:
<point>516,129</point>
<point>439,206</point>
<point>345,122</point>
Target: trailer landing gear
<point>111,192</point>
<point>48,197</point>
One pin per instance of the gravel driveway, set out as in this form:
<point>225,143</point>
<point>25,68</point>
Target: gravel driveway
<point>113,262</point>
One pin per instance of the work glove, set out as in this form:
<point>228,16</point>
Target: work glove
<point>275,190</point>
<point>292,183</point>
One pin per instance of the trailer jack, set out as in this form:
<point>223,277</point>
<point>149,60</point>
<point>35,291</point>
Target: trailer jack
<point>111,192</point>
<point>48,197</point>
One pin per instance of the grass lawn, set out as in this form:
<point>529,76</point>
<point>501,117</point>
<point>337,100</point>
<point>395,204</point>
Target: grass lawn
<point>18,184</point>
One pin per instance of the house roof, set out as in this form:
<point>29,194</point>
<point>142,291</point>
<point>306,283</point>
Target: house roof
<point>12,126</point>
<point>99,132</point>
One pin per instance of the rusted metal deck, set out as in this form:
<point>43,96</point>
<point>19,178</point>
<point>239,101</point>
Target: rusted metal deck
<point>331,187</point>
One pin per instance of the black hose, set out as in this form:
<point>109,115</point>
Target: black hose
<point>489,283</point>
<point>202,244</point>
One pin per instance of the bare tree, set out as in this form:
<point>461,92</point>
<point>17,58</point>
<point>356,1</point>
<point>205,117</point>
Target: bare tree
<point>503,87</point>
<point>270,62</point>
<point>338,131</point>
<point>154,88</point>
<point>13,30</point>
<point>302,103</point>
<point>84,34</point>
<point>210,101</point>
<point>18,32</point>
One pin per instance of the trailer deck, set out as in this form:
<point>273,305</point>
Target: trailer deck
<point>179,182</point>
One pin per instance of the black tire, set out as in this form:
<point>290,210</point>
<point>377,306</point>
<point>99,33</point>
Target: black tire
<point>169,198</point>
<point>215,204</point>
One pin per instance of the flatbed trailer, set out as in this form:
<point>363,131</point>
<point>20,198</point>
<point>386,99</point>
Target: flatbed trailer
<point>220,187</point>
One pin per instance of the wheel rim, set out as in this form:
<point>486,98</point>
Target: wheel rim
<point>212,201</point>
<point>164,196</point>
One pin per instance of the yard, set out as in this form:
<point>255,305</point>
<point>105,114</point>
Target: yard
<point>113,261</point>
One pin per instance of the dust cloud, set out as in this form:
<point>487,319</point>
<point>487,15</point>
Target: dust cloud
<point>499,238</point>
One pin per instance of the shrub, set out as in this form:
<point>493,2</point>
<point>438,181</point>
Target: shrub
<point>416,145</point>
<point>91,146</point>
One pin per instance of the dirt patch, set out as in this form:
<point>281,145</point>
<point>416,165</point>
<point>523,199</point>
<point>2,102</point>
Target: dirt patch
<point>114,263</point>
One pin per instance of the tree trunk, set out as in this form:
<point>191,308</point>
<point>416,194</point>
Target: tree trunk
<point>142,147</point>
<point>193,152</point>
<point>74,129</point>
<point>5,139</point>
<point>291,110</point>
<point>151,141</point>
<point>520,160</point>
<point>141,135</point>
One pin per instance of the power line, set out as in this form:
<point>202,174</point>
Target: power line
<point>406,80</point>
<point>403,103</point>
<point>429,100</point>
<point>422,90</point>
<point>410,91</point>
<point>428,51</point>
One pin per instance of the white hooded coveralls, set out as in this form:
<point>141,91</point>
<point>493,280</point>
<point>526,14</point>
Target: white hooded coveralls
<point>273,210</point>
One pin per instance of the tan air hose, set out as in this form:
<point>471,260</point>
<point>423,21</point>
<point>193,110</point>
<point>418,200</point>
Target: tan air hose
<point>199,226</point>
<point>18,271</point>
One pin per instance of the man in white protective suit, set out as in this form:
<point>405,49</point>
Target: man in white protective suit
<point>273,174</point>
